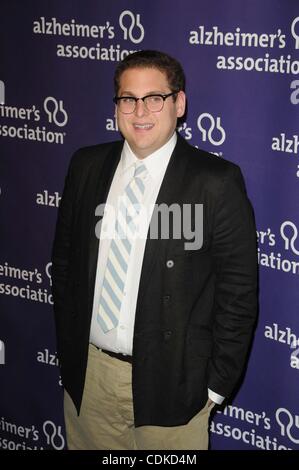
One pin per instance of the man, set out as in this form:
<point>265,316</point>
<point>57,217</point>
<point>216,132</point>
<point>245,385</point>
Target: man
<point>152,331</point>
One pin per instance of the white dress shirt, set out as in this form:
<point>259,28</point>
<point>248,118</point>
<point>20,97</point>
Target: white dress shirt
<point>120,339</point>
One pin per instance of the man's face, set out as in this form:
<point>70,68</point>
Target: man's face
<point>147,131</point>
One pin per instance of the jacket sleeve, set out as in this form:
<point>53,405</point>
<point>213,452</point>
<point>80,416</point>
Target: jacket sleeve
<point>234,252</point>
<point>62,241</point>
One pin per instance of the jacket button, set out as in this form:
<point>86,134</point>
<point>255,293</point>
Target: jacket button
<point>167,335</point>
<point>169,263</point>
<point>166,298</point>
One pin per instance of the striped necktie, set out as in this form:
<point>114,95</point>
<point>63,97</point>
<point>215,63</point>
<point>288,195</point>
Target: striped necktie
<point>120,250</point>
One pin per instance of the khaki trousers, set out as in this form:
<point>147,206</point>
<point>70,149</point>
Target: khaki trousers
<point>106,420</point>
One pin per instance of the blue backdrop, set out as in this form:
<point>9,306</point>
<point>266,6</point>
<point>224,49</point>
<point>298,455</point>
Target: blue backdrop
<point>56,66</point>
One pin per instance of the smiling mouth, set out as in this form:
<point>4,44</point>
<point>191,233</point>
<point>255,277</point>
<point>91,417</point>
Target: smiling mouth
<point>143,126</point>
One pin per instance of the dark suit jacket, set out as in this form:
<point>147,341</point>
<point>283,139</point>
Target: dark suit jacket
<point>194,316</point>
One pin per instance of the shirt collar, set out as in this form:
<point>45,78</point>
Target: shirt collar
<point>155,163</point>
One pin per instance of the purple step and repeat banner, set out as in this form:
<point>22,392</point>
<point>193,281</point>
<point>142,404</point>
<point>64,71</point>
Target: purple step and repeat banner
<point>57,60</point>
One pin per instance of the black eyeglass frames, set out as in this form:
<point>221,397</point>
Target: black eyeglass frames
<point>153,103</point>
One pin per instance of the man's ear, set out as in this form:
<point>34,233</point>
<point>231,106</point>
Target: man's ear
<point>180,104</point>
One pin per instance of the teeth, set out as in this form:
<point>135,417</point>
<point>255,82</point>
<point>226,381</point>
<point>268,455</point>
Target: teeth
<point>143,126</point>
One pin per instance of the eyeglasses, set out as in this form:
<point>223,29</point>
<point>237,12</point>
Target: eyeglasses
<point>153,103</point>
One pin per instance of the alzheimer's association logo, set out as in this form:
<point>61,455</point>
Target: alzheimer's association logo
<point>289,424</point>
<point>53,435</point>
<point>55,111</point>
<point>210,129</point>
<point>289,234</point>
<point>295,31</point>
<point>131,26</point>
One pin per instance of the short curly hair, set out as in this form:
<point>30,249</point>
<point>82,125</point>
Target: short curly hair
<point>153,59</point>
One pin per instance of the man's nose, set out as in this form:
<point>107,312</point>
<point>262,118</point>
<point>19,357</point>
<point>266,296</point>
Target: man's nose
<point>140,109</point>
